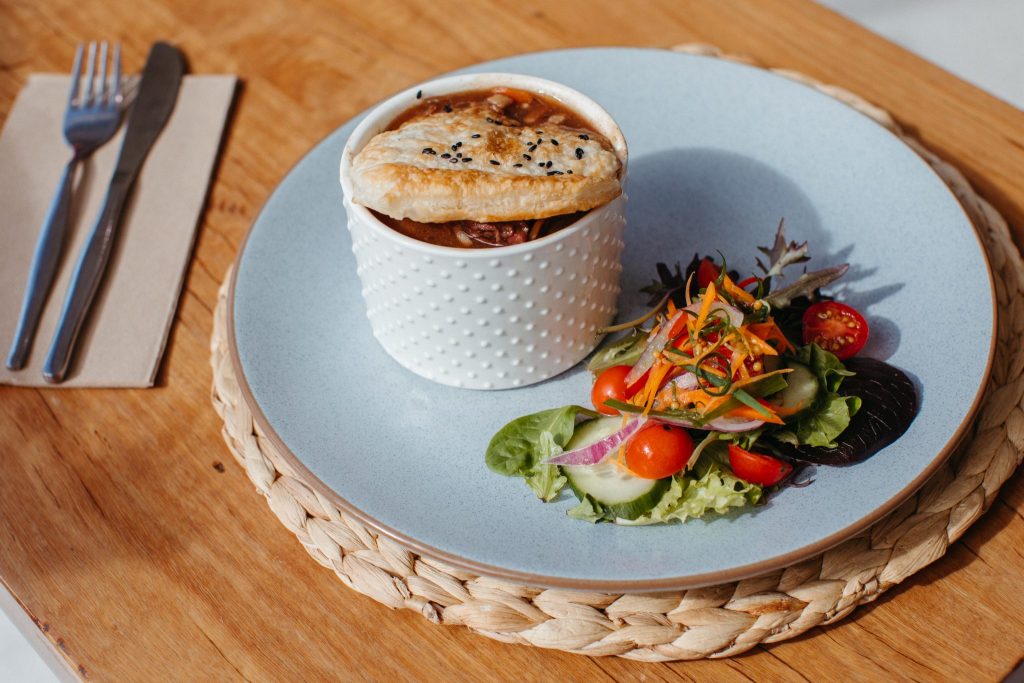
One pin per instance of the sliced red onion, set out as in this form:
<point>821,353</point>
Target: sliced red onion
<point>735,315</point>
<point>596,452</point>
<point>684,382</point>
<point>733,424</point>
<point>654,345</point>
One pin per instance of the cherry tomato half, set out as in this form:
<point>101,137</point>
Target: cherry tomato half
<point>611,383</point>
<point>835,327</point>
<point>658,450</point>
<point>707,272</point>
<point>756,468</point>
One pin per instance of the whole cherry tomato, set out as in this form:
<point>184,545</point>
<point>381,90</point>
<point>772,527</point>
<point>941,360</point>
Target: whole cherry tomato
<point>658,450</point>
<point>611,383</point>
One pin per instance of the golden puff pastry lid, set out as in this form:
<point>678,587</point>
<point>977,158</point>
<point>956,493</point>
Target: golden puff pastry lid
<point>473,164</point>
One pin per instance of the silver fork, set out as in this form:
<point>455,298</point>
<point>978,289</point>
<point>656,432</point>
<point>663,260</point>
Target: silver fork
<point>92,117</point>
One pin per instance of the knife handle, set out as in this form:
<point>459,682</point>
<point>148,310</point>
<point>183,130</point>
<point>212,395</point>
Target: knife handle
<point>44,267</point>
<point>87,278</point>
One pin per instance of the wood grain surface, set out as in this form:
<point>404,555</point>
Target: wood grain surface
<point>140,550</point>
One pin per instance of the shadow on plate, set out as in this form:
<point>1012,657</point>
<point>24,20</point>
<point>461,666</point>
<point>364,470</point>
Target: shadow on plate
<point>699,199</point>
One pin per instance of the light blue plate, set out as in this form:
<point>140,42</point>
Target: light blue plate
<point>719,152</point>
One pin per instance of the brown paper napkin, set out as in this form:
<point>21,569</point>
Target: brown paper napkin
<point>124,336</point>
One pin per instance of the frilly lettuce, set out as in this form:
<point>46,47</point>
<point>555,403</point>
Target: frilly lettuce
<point>710,488</point>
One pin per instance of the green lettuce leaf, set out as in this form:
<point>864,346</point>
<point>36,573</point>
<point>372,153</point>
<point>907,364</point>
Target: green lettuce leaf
<point>625,351</point>
<point>710,488</point>
<point>831,412</point>
<point>526,441</point>
<point>821,427</point>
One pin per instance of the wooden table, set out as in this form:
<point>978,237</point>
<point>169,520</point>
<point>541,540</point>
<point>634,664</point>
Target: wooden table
<point>138,553</point>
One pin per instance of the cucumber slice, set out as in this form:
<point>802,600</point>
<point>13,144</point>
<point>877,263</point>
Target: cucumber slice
<point>801,391</point>
<point>591,431</point>
<point>622,494</point>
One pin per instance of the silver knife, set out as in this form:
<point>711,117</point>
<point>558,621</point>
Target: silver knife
<point>157,93</point>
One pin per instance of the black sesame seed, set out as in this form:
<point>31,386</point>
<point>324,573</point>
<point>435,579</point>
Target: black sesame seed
<point>517,165</point>
<point>541,164</point>
<point>445,155</point>
<point>467,159</point>
<point>495,162</point>
<point>447,109</point>
<point>540,132</point>
<point>455,147</point>
<point>554,142</point>
<point>579,152</point>
<point>475,135</point>
<point>555,173</point>
<point>584,136</point>
<point>458,154</point>
<point>428,150</point>
<point>532,147</point>
<point>458,144</point>
<point>569,171</point>
<point>527,157</point>
<point>419,94</point>
<point>548,165</point>
<point>453,160</point>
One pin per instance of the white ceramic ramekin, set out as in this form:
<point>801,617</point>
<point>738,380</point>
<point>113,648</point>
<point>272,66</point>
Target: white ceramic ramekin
<point>488,318</point>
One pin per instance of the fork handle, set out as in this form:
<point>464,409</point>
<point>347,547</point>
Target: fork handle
<point>86,280</point>
<point>44,267</point>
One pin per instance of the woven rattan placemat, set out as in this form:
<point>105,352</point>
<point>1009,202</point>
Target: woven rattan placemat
<point>717,621</point>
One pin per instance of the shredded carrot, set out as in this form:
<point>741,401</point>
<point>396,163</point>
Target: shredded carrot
<point>768,331</point>
<point>738,365</point>
<point>671,308</point>
<point>691,396</point>
<point>705,306</point>
<point>715,403</point>
<point>786,412</point>
<point>735,291</point>
<point>697,358</point>
<point>748,413</point>
<point>757,345</point>
<point>658,374</point>
<point>757,378</point>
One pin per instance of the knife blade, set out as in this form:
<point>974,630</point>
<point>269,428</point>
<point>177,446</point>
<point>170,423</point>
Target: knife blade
<point>158,91</point>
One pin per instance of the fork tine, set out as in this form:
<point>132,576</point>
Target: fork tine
<point>90,75</point>
<point>101,96</point>
<point>116,95</point>
<point>76,72</point>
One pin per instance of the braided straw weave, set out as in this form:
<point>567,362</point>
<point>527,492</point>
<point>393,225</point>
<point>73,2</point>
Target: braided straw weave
<point>717,621</point>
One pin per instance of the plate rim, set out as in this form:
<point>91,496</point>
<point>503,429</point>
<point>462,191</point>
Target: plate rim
<point>685,582</point>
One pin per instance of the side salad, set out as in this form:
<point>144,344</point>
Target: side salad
<point>714,398</point>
